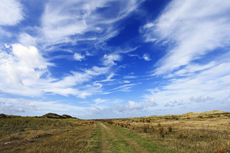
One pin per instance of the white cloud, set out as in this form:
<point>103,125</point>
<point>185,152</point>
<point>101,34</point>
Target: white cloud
<point>27,40</point>
<point>109,77</point>
<point>9,109</point>
<point>146,57</point>
<point>151,102</point>
<point>25,72</point>
<point>78,57</point>
<point>201,99</point>
<point>130,77</point>
<point>99,100</point>
<point>134,105</point>
<point>29,56</point>
<point>124,88</point>
<point>207,86</point>
<point>192,28</point>
<point>109,59</point>
<point>19,105</point>
<point>62,19</point>
<point>10,12</point>
<point>22,63</point>
<point>7,46</point>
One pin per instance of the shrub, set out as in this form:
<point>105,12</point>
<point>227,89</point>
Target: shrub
<point>219,150</point>
<point>145,127</point>
<point>161,129</point>
<point>170,128</point>
<point>180,135</point>
<point>133,127</point>
<point>200,116</point>
<point>159,124</point>
<point>152,127</point>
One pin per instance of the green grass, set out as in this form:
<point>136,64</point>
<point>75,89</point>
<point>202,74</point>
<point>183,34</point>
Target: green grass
<point>149,145</point>
<point>94,143</point>
<point>119,143</point>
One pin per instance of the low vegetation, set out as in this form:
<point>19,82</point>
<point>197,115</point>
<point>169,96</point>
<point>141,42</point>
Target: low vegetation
<point>190,132</point>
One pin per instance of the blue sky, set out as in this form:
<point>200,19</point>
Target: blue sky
<point>114,58</point>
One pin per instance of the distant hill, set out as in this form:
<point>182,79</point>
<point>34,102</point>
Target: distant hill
<point>214,112</point>
<point>3,116</point>
<point>206,113</point>
<point>56,116</point>
<point>48,115</point>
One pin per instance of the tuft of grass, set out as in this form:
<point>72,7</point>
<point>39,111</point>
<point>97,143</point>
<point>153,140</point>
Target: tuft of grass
<point>161,129</point>
<point>159,124</point>
<point>145,128</point>
<point>170,128</point>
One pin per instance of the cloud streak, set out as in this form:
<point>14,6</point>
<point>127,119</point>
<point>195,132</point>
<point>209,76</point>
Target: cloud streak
<point>192,29</point>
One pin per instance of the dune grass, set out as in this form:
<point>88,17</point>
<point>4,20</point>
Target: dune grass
<point>28,134</point>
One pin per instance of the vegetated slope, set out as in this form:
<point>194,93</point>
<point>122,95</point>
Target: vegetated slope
<point>179,133</point>
<point>30,134</point>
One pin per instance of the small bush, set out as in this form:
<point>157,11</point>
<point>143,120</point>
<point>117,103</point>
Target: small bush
<point>159,124</point>
<point>170,128</point>
<point>133,127</point>
<point>219,150</point>
<point>145,127</point>
<point>152,127</point>
<point>161,129</point>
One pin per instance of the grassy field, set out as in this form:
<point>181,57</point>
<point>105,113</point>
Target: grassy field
<point>190,132</point>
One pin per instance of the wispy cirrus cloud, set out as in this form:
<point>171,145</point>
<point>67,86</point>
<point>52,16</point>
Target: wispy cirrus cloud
<point>58,23</point>
<point>210,85</point>
<point>192,29</point>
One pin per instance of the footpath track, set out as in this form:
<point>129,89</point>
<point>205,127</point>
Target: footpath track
<point>114,141</point>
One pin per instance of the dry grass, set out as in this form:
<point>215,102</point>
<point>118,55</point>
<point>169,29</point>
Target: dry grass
<point>209,133</point>
<point>29,134</point>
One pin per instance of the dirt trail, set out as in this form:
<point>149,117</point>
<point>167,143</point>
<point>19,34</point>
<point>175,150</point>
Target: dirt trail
<point>105,145</point>
<point>113,139</point>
